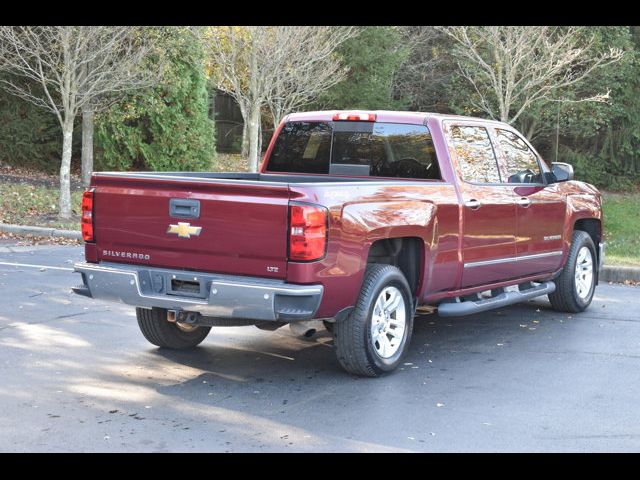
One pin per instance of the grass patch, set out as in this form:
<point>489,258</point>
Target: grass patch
<point>622,228</point>
<point>31,198</point>
<point>229,162</point>
<point>36,205</point>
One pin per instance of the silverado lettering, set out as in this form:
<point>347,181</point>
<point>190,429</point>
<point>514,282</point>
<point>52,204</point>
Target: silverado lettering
<point>360,218</point>
<point>111,253</point>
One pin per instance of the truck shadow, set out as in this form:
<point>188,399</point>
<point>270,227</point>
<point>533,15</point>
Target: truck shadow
<point>249,356</point>
<point>279,379</point>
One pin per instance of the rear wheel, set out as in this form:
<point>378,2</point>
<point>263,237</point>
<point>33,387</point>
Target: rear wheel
<point>577,283</point>
<point>159,331</point>
<point>375,336</point>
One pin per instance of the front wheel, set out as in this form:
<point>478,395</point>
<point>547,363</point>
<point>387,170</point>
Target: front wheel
<point>576,284</point>
<point>161,332</point>
<point>375,336</point>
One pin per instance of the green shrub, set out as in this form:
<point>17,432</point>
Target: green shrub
<point>30,136</point>
<point>373,57</point>
<point>166,127</point>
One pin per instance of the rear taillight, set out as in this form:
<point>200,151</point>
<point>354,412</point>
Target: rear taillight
<point>307,232</point>
<point>355,116</point>
<point>87,216</point>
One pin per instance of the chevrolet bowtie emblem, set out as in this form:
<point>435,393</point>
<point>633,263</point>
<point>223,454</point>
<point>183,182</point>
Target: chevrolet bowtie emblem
<point>184,230</point>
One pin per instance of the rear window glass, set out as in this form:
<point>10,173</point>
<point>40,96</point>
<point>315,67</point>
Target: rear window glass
<point>355,148</point>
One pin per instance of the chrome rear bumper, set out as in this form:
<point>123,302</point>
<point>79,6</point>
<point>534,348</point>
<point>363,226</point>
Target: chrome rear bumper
<point>211,295</point>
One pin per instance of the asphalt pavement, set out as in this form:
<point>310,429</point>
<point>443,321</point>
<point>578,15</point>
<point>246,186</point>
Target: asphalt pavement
<point>76,375</point>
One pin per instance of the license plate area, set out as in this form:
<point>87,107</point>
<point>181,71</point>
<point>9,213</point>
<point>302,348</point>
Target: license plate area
<point>186,286</point>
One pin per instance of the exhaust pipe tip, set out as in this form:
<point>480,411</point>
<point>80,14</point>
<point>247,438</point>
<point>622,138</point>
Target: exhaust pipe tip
<point>306,329</point>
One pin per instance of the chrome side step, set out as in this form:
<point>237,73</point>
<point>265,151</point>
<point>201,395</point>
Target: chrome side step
<point>500,298</point>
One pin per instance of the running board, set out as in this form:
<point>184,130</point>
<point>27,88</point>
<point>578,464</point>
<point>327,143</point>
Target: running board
<point>500,298</point>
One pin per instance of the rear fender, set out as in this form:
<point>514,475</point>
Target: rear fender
<point>394,219</point>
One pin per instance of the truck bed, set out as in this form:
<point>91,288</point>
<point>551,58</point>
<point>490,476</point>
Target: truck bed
<point>243,177</point>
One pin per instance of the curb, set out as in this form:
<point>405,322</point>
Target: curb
<point>40,231</point>
<point>618,274</point>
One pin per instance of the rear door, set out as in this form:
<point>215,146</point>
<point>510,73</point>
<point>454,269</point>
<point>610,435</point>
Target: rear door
<point>541,208</point>
<point>219,226</point>
<point>489,211</point>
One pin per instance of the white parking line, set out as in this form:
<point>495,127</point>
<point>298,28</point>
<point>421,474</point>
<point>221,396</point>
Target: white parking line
<point>36,266</point>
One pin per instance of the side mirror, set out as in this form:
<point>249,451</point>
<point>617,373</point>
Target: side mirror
<point>562,171</point>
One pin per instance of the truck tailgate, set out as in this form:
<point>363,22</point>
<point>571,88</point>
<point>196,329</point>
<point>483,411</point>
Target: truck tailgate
<point>242,225</point>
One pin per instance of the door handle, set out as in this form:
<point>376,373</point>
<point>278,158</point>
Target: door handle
<point>523,202</point>
<point>473,204</point>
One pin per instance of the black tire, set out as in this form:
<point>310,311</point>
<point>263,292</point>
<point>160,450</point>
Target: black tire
<point>352,336</point>
<point>159,331</point>
<point>566,298</point>
<point>328,326</point>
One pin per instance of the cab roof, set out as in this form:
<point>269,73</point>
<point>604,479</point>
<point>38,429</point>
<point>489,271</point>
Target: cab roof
<point>381,116</point>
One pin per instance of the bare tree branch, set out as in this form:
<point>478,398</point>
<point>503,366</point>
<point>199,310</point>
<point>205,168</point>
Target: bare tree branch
<point>75,68</point>
<point>278,67</point>
<point>513,68</point>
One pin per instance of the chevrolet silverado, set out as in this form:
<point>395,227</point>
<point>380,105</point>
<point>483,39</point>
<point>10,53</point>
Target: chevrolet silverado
<point>354,220</point>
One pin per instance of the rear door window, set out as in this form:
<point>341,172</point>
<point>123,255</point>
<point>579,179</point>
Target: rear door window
<point>476,158</point>
<point>357,149</point>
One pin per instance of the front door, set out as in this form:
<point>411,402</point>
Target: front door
<point>541,209</point>
<point>489,212</point>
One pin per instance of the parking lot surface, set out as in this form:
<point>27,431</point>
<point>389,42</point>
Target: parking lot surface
<point>77,375</point>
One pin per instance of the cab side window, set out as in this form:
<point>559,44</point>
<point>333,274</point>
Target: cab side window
<point>520,163</point>
<point>475,154</point>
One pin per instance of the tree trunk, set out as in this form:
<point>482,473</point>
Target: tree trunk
<point>245,138</point>
<point>254,112</point>
<point>254,137</point>
<point>87,145</point>
<point>259,139</point>
<point>65,171</point>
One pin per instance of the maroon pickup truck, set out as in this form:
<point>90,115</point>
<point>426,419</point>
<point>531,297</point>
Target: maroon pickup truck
<point>354,220</point>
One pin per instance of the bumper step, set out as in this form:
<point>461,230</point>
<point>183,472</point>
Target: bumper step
<point>501,298</point>
<point>214,295</point>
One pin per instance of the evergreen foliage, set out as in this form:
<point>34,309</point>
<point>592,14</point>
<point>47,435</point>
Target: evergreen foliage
<point>29,136</point>
<point>166,127</point>
<point>373,58</point>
